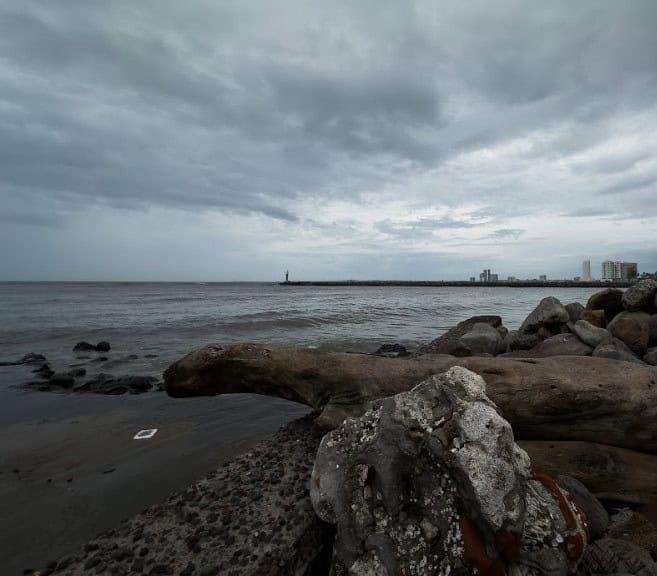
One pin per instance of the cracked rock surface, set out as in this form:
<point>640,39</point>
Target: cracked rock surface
<point>431,481</point>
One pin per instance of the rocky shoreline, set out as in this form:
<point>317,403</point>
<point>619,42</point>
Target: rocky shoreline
<point>487,451</point>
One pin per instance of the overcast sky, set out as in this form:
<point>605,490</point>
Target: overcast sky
<point>210,140</point>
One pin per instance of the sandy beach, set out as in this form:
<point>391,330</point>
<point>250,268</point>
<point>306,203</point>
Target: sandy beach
<point>70,469</point>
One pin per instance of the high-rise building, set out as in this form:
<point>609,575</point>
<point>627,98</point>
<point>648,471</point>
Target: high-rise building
<point>629,270</point>
<point>542,277</point>
<point>586,271</point>
<point>614,270</point>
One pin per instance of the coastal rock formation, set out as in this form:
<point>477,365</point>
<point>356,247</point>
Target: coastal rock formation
<point>30,358</point>
<point>611,473</point>
<point>575,311</point>
<point>650,356</point>
<point>617,350</point>
<point>100,384</point>
<point>640,296</point>
<point>652,326</point>
<point>430,481</point>
<point>517,341</point>
<point>86,347</point>
<point>546,319</point>
<point>613,556</point>
<point>452,341</point>
<point>596,317</point>
<point>590,334</point>
<point>559,345</point>
<point>597,518</point>
<point>633,329</point>
<point>634,527</point>
<point>610,300</point>
<point>553,398</point>
<point>482,339</point>
<point>391,351</point>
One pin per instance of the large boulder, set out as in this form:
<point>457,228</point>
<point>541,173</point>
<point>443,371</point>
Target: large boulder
<point>559,345</point>
<point>610,556</point>
<point>450,342</point>
<point>616,350</point>
<point>596,317</point>
<point>597,517</point>
<point>610,300</point>
<point>640,296</point>
<point>633,328</point>
<point>652,327</point>
<point>650,357</point>
<point>430,481</point>
<point>483,339</point>
<point>517,341</point>
<point>590,334</point>
<point>557,398</point>
<point>549,315</point>
<point>575,311</point>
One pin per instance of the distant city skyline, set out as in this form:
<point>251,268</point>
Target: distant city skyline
<point>230,140</point>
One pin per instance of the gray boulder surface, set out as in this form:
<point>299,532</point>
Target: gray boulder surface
<point>640,296</point>
<point>597,517</point>
<point>650,357</point>
<point>517,341</point>
<point>483,339</point>
<point>450,342</point>
<point>575,311</point>
<point>596,317</point>
<point>559,345</point>
<point>250,517</point>
<point>633,328</point>
<point>590,334</point>
<point>617,350</point>
<point>610,300</point>
<point>549,315</point>
<point>430,481</point>
<point>614,556</point>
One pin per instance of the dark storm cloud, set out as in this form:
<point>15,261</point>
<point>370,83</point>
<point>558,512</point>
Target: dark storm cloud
<point>290,111</point>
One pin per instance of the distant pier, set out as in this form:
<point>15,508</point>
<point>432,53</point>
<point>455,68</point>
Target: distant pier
<point>463,283</point>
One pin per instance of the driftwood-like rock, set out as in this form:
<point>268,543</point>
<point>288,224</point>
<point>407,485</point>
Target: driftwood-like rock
<point>555,398</point>
<point>430,481</point>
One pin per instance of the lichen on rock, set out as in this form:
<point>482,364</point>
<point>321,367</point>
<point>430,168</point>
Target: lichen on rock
<point>431,481</point>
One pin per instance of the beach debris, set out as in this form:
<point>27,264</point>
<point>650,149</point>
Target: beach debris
<point>431,481</point>
<point>145,434</point>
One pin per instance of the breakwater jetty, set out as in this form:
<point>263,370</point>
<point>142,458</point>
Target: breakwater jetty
<point>457,283</point>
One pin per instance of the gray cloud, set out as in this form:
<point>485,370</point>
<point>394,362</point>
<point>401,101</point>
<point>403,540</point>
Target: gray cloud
<point>324,129</point>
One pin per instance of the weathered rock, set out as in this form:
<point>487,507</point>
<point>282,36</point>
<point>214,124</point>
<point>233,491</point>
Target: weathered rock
<point>450,342</point>
<point>650,357</point>
<point>640,296</point>
<point>558,398</point>
<point>44,371</point>
<point>77,372</point>
<point>430,481</point>
<point>633,329</point>
<point>596,317</point>
<point>590,334</point>
<point>617,350</point>
<point>108,384</point>
<point>391,350</point>
<point>61,380</point>
<point>597,518</point>
<point>84,347</point>
<point>560,345</point>
<point>634,527</point>
<point>30,358</point>
<point>610,300</point>
<point>610,473</point>
<point>517,341</point>
<point>575,311</point>
<point>483,339</point>
<point>614,556</point>
<point>652,327</point>
<point>549,315</point>
<point>103,346</point>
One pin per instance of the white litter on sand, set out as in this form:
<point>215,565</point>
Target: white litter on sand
<point>145,434</point>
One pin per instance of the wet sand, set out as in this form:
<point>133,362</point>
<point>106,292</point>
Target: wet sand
<point>70,469</point>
